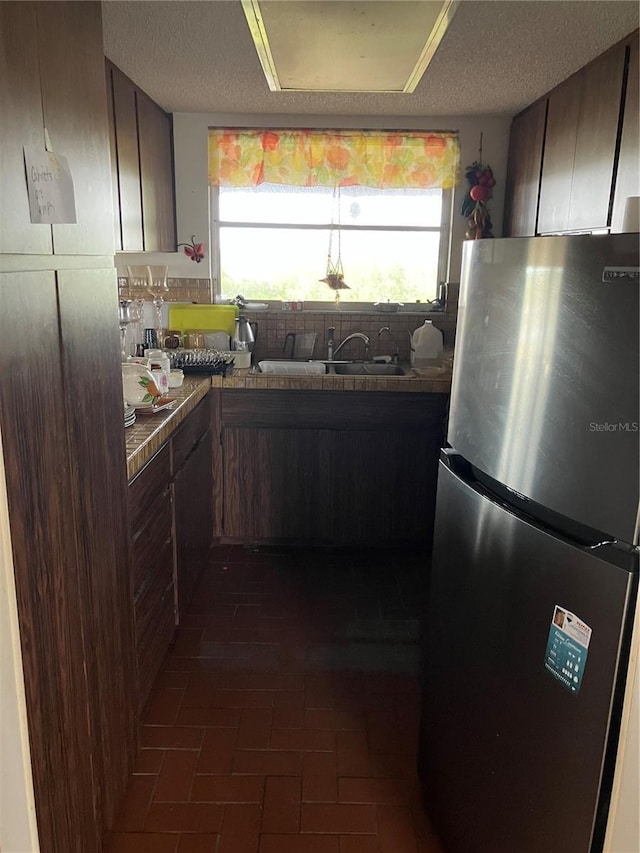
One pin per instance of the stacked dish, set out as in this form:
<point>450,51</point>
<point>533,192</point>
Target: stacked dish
<point>129,415</point>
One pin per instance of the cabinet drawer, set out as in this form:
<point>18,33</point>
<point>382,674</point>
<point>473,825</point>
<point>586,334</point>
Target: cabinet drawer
<point>190,432</point>
<point>148,483</point>
<point>153,590</point>
<point>150,539</point>
<point>152,646</point>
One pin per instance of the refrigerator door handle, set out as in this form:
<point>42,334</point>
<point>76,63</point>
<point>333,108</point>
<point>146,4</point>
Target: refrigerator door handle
<point>601,544</point>
<point>612,550</point>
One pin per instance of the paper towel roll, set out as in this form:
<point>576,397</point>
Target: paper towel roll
<point>631,218</point>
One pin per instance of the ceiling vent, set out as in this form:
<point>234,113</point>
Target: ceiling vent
<point>341,46</point>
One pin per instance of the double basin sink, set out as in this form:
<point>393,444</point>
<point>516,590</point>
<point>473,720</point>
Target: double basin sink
<point>340,368</point>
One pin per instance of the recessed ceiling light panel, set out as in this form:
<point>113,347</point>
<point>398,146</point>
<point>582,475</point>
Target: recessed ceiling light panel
<point>342,46</point>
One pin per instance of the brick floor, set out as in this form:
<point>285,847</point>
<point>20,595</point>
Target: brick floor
<point>285,716</point>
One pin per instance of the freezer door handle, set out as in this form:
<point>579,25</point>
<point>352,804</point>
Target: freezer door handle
<point>611,550</point>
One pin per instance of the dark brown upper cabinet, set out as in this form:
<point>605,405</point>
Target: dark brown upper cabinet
<point>142,167</point>
<point>44,75</point>
<point>573,155</point>
<point>126,163</point>
<point>580,147</point>
<point>628,175</point>
<point>524,170</point>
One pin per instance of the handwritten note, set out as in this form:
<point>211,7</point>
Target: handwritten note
<point>50,187</point>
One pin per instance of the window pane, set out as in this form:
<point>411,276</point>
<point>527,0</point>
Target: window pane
<point>286,264</point>
<point>271,203</point>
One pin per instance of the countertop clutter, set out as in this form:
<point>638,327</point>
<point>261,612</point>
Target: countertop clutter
<point>149,432</point>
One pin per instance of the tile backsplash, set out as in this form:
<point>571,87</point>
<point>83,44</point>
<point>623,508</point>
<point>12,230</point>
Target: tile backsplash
<point>179,290</point>
<point>273,326</point>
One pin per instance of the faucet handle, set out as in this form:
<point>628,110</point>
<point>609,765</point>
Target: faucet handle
<point>291,335</point>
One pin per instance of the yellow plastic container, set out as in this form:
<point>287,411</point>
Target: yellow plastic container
<point>218,317</point>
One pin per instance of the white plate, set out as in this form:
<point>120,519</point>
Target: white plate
<point>163,403</point>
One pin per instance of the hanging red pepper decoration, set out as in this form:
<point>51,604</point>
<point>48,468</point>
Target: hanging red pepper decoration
<point>193,250</point>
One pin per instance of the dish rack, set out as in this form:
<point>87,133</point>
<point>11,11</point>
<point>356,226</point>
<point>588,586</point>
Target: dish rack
<point>208,361</point>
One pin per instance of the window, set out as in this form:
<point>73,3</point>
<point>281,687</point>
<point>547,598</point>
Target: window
<point>290,206</point>
<point>272,242</point>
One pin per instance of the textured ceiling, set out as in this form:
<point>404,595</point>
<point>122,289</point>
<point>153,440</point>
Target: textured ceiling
<point>496,57</point>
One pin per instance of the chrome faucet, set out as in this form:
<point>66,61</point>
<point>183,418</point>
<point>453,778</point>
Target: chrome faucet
<point>386,329</point>
<point>359,335</point>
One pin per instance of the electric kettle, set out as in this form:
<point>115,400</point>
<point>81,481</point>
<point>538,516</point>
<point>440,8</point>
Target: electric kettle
<point>244,336</point>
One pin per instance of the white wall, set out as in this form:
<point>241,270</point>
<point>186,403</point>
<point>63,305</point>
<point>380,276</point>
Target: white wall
<point>623,829</point>
<point>18,833</point>
<point>191,165</point>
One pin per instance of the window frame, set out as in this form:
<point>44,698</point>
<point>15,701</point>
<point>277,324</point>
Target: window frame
<point>444,254</point>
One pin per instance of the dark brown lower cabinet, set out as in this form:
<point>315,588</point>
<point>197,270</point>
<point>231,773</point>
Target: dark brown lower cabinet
<point>277,483</point>
<point>193,507</point>
<point>154,591</point>
<point>384,484</point>
<point>171,515</point>
<point>151,513</point>
<point>63,447</point>
<point>350,468</point>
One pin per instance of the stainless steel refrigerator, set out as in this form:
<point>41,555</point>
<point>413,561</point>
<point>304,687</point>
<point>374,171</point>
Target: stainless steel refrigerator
<point>534,574</point>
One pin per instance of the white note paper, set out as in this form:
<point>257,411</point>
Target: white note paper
<point>50,187</point>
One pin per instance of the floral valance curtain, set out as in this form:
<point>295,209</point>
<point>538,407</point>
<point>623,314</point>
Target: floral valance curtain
<point>307,158</point>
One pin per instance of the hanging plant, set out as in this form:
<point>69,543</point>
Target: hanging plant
<point>335,274</point>
<point>193,250</point>
<point>481,183</point>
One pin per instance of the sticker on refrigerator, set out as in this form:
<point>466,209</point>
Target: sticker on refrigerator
<point>567,647</point>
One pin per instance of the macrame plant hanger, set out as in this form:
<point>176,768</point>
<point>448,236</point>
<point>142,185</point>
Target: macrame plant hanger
<point>335,274</point>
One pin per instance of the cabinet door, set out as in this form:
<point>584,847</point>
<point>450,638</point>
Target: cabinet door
<point>559,156</point>
<point>628,177</point>
<point>384,485</point>
<point>596,138</point>
<point>88,303</point>
<point>153,570</point>
<point>21,112</point>
<point>51,609</point>
<point>523,171</point>
<point>193,507</point>
<point>156,174</point>
<point>277,483</point>
<point>129,211</point>
<point>580,146</point>
<point>113,152</point>
<point>75,114</point>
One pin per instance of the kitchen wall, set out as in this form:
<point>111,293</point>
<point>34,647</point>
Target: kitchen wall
<point>190,146</point>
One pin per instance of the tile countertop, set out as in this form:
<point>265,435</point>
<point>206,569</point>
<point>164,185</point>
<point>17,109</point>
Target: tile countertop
<point>149,432</point>
<point>331,382</point>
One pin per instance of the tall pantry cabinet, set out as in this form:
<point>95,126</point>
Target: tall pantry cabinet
<point>62,428</point>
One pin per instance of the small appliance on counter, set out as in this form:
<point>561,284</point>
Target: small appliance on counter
<point>244,335</point>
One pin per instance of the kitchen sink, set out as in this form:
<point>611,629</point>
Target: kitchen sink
<point>283,367</point>
<point>368,368</point>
